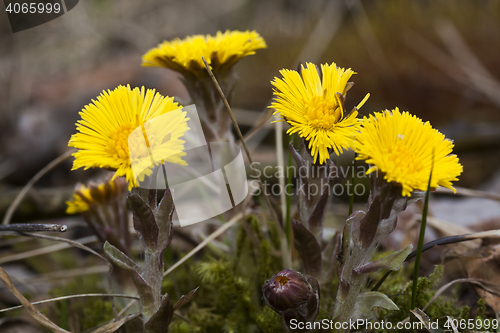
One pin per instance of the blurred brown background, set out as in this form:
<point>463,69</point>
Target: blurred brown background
<point>437,59</point>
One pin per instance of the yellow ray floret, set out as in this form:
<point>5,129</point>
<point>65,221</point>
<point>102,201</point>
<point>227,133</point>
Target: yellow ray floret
<point>402,147</point>
<point>313,105</point>
<point>223,49</point>
<point>95,194</point>
<point>129,130</point>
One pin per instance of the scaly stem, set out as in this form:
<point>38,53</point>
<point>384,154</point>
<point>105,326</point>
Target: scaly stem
<point>153,274</point>
<point>361,237</point>
<point>351,282</point>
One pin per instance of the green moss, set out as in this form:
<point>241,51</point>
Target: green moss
<point>202,320</point>
<point>87,312</point>
<point>481,309</point>
<point>234,296</point>
<point>213,271</point>
<point>398,288</point>
<point>464,312</point>
<point>95,312</point>
<point>230,296</point>
<point>269,321</point>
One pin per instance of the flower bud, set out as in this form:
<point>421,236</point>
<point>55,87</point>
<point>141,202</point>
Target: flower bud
<point>104,208</point>
<point>291,292</point>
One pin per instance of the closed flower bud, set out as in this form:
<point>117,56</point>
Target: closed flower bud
<point>291,292</point>
<point>104,208</point>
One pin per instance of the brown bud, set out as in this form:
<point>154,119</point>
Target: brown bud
<point>291,292</point>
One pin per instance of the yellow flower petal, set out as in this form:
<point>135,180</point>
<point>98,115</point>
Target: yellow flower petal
<point>102,137</point>
<point>223,49</point>
<point>313,106</point>
<point>402,147</point>
<point>95,194</point>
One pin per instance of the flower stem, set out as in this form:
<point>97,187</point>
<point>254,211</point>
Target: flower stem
<point>348,292</point>
<point>351,201</point>
<point>153,274</point>
<point>420,242</point>
<point>288,225</point>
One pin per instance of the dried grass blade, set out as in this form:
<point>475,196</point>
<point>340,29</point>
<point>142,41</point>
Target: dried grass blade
<point>37,315</point>
<point>69,297</point>
<point>211,237</point>
<point>482,284</point>
<point>113,326</point>
<point>52,248</point>
<point>470,193</point>
<point>27,187</point>
<point>426,321</point>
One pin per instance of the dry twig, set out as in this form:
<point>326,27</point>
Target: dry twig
<point>27,187</point>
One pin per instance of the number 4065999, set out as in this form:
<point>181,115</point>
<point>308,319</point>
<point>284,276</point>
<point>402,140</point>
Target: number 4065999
<point>33,8</point>
<point>472,324</point>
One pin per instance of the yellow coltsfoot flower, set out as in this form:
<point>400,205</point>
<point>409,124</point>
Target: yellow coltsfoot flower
<point>402,147</point>
<point>95,195</point>
<point>313,104</point>
<point>104,207</point>
<point>107,137</point>
<point>220,51</point>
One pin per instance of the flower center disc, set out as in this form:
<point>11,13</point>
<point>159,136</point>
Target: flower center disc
<point>118,143</point>
<point>403,158</point>
<point>322,112</point>
<point>282,280</point>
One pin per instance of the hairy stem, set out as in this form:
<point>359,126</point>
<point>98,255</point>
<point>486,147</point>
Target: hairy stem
<point>361,240</point>
<point>153,274</point>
